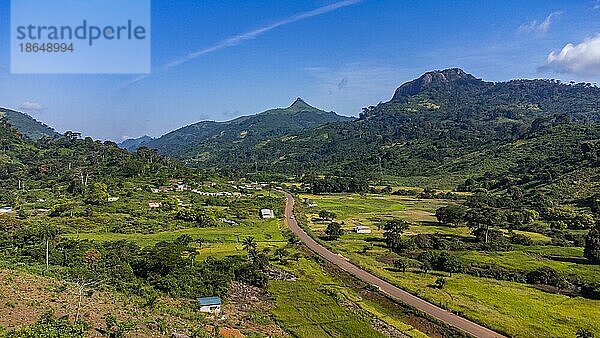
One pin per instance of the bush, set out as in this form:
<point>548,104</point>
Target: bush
<point>521,239</point>
<point>547,276</point>
<point>50,326</point>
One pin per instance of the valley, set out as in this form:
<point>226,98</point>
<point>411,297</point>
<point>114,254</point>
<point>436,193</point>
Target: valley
<point>477,200</point>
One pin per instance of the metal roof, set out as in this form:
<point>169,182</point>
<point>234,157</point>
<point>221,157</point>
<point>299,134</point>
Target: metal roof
<point>209,301</point>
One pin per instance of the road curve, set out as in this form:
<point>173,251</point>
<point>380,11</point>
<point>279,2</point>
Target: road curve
<point>432,310</point>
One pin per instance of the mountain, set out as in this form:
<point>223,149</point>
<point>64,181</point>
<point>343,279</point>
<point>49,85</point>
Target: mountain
<point>446,124</point>
<point>243,131</point>
<point>448,77</point>
<point>27,125</point>
<point>133,143</point>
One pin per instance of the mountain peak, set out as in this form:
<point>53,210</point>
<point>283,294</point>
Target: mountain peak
<point>300,105</point>
<point>446,76</point>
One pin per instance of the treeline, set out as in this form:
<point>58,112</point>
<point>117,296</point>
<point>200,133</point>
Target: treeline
<point>333,184</point>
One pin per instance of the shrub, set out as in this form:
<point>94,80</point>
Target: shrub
<point>546,275</point>
<point>521,239</point>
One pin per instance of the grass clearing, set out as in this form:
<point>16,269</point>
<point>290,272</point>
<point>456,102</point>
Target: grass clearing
<point>307,312</point>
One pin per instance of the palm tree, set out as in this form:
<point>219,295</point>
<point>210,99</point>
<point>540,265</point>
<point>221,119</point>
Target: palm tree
<point>48,233</point>
<point>249,244</point>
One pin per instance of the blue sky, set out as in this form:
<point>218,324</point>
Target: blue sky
<point>341,56</point>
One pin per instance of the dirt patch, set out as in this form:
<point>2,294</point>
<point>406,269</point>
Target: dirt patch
<point>248,309</point>
<point>387,259</point>
<point>277,274</point>
<point>25,297</point>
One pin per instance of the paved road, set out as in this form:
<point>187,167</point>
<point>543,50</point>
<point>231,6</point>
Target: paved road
<point>434,311</point>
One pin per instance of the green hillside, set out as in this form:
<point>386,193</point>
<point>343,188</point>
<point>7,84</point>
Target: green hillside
<point>446,123</point>
<point>27,125</point>
<point>218,138</point>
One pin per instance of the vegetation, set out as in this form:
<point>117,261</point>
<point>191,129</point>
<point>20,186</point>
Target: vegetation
<point>518,270</point>
<point>516,229</point>
<point>592,245</point>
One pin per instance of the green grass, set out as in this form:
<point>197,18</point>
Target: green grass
<point>520,260</point>
<point>307,312</point>
<point>519,310</point>
<point>558,251</point>
<point>261,230</point>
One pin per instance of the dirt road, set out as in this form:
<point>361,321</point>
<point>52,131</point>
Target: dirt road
<point>432,310</point>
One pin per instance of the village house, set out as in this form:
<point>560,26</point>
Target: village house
<point>154,205</point>
<point>113,199</point>
<point>361,229</point>
<point>210,304</point>
<point>5,210</point>
<point>267,213</point>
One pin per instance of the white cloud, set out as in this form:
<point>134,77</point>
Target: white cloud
<point>539,27</point>
<point>253,34</point>
<point>29,105</point>
<point>581,59</point>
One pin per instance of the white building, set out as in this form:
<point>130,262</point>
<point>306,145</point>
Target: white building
<point>5,210</point>
<point>113,199</point>
<point>361,229</point>
<point>210,304</point>
<point>267,213</point>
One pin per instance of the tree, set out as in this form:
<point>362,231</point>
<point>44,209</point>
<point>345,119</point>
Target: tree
<point>441,282</point>
<point>450,264</point>
<point>592,245</point>
<point>326,215</point>
<point>334,230</point>
<point>482,219</point>
<point>546,275</point>
<point>584,333</point>
<point>249,244</point>
<point>97,194</point>
<point>401,264</point>
<point>451,214</point>
<point>392,232</point>
<point>48,233</point>
<point>386,190</point>
<point>184,240</point>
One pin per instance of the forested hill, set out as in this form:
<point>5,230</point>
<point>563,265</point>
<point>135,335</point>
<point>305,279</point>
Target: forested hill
<point>446,123</point>
<point>242,132</point>
<point>27,125</point>
<point>68,168</point>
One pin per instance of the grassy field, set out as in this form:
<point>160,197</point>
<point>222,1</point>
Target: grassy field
<point>317,305</point>
<point>519,310</point>
<point>261,230</point>
<point>518,259</point>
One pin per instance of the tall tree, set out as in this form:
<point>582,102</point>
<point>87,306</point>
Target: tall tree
<point>334,230</point>
<point>392,232</point>
<point>592,245</point>
<point>451,214</point>
<point>48,233</point>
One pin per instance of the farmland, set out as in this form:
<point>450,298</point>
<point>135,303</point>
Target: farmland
<point>492,302</point>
